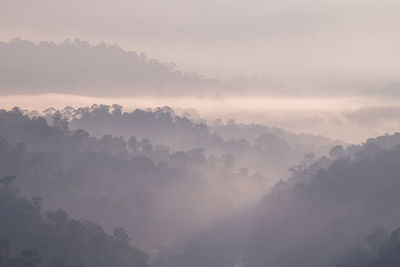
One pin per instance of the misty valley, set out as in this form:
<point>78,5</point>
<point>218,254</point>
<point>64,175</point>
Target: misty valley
<point>100,186</point>
<point>199,133</point>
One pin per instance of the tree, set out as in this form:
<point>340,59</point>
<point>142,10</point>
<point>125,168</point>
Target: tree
<point>337,152</point>
<point>121,236</point>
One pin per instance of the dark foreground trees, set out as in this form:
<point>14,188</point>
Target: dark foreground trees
<point>31,237</point>
<point>381,250</point>
<point>325,210</point>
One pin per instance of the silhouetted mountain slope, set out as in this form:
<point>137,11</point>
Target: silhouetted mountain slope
<point>134,184</point>
<point>103,70</point>
<point>51,238</point>
<point>325,210</point>
<point>380,248</point>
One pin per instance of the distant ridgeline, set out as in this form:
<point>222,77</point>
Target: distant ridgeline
<point>99,70</point>
<point>77,67</point>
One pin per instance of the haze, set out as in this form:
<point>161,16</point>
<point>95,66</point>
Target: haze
<point>199,133</point>
<point>351,42</point>
<point>351,119</point>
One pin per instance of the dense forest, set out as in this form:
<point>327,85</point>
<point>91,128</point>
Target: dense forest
<point>189,192</point>
<point>268,150</point>
<point>333,204</point>
<point>51,238</point>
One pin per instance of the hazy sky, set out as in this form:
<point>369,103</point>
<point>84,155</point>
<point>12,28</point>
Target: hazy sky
<point>311,41</point>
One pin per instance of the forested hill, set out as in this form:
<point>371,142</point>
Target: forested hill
<point>76,67</point>
<point>32,237</point>
<point>267,150</point>
<point>129,181</point>
<point>118,182</point>
<point>200,202</point>
<point>324,214</point>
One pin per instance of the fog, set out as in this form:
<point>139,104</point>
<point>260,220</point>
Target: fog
<point>78,73</point>
<point>350,119</point>
<point>185,192</point>
<point>199,133</point>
